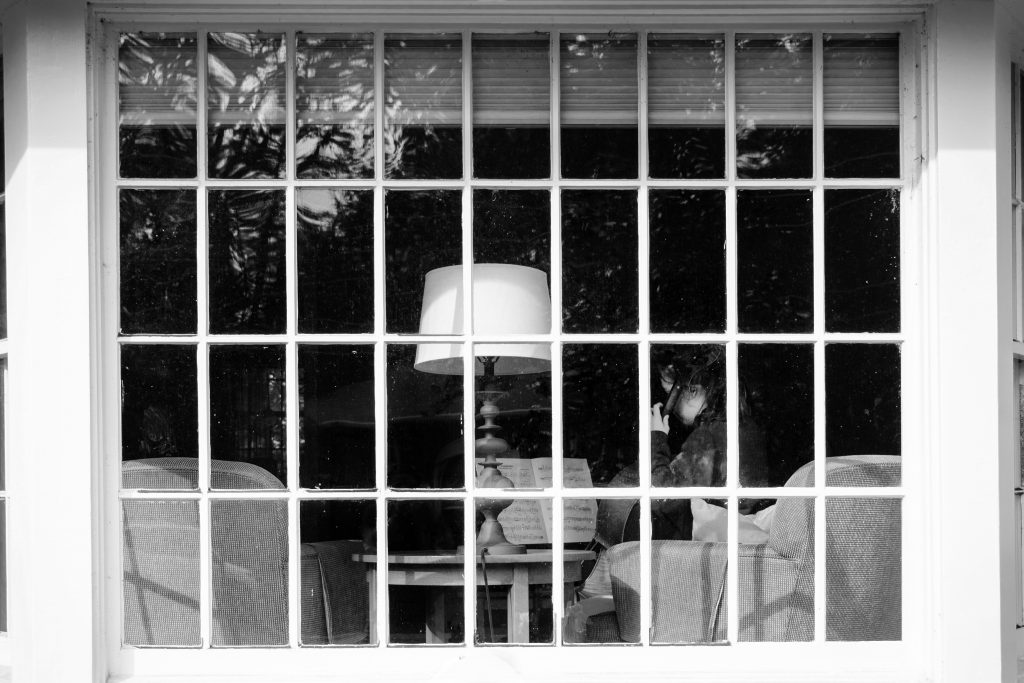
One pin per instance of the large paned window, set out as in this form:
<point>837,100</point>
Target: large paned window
<point>651,281</point>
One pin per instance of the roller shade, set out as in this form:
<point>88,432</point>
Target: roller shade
<point>157,78</point>
<point>774,81</point>
<point>334,79</point>
<point>511,80</point>
<point>862,80</point>
<point>599,80</point>
<point>685,80</point>
<point>245,79</point>
<point>423,80</point>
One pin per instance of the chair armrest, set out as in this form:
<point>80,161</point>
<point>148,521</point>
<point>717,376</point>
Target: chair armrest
<point>581,617</point>
<point>689,586</point>
<point>335,594</point>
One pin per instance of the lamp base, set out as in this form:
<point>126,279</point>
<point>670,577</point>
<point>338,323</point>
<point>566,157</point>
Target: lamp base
<point>493,538</point>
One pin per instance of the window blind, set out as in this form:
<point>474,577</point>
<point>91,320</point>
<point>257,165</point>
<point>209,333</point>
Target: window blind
<point>245,79</point>
<point>334,79</point>
<point>599,80</point>
<point>686,80</point>
<point>423,80</point>
<point>599,84</point>
<point>862,80</point>
<point>511,80</point>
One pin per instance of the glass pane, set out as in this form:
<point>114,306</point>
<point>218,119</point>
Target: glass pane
<point>512,226</point>
<point>862,106</point>
<point>599,106</point>
<point>245,97</point>
<point>513,402</point>
<point>157,105</point>
<point>160,573</point>
<point>158,261</point>
<point>334,106</point>
<point>687,579</point>
<point>3,427</point>
<point>426,581</point>
<point>776,567</point>
<point>337,417</point>
<point>335,259</point>
<point>600,396</point>
<point>249,562</point>
<point>422,231</point>
<point>687,260</point>
<point>337,537</point>
<point>1020,425</point>
<point>159,416</point>
<point>3,566</point>
<point>775,254</point>
<point>774,95</point>
<point>686,106</point>
<point>863,565</point>
<point>423,106</point>
<point>599,261</point>
<point>425,407</point>
<point>688,420</point>
<point>514,604</point>
<point>862,260</point>
<point>585,568</point>
<point>247,417</point>
<point>511,106</point>
<point>247,266</point>
<point>862,399</point>
<point>776,383</point>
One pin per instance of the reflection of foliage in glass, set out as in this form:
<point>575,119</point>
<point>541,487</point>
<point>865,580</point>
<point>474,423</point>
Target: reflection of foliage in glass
<point>512,226</point>
<point>157,97</point>
<point>245,89</point>
<point>422,232</point>
<point>157,261</point>
<point>335,259</point>
<point>777,385</point>
<point>247,267</point>
<point>158,401</point>
<point>422,134</point>
<point>773,108</point>
<point>334,106</point>
<point>687,260</point>
<point>247,406</point>
<point>862,404</point>
<point>600,393</point>
<point>862,264</point>
<point>599,261</point>
<point>775,245</point>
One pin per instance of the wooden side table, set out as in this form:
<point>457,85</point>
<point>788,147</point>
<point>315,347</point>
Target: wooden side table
<point>446,569</point>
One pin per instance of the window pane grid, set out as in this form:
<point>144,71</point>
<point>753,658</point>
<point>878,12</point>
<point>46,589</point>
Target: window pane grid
<point>290,338</point>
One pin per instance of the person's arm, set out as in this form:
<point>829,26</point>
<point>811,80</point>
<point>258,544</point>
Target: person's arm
<point>661,454</point>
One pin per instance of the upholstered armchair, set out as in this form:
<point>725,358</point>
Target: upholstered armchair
<point>776,578</point>
<point>249,558</point>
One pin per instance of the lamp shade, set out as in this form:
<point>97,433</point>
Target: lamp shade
<point>507,299</point>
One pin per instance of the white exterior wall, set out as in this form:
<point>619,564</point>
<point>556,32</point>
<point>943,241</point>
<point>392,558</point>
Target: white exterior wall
<point>56,559</point>
<point>51,455</point>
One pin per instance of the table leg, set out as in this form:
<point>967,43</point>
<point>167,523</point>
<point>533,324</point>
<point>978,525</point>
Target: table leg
<point>371,580</point>
<point>436,632</point>
<point>519,605</point>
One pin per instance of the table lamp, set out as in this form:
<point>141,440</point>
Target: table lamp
<point>507,299</point>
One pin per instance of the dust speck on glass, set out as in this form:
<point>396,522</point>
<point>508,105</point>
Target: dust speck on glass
<point>274,262</point>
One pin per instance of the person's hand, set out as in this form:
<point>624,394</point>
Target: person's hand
<point>659,422</point>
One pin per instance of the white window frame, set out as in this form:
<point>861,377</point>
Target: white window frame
<point>767,660</point>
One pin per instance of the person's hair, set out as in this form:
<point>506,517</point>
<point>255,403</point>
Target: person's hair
<point>694,364</point>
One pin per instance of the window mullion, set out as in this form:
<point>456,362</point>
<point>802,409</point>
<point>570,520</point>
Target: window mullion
<point>379,600</point>
<point>202,349</point>
<point>469,352</point>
